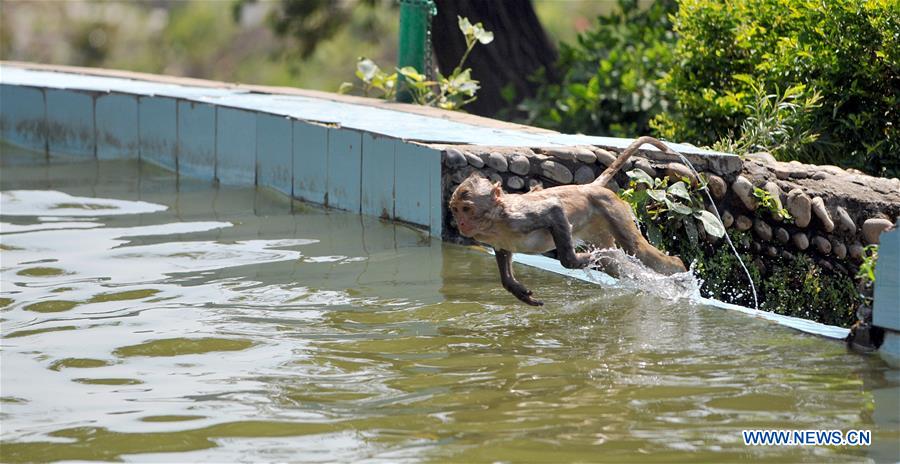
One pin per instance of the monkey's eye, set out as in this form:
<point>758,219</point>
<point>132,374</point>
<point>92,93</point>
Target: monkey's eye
<point>466,209</point>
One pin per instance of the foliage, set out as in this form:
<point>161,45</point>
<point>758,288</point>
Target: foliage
<point>867,267</point>
<point>373,77</point>
<point>771,204</point>
<point>775,122</point>
<point>306,43</point>
<point>846,51</point>
<point>720,272</point>
<point>611,73</point>
<point>308,22</point>
<point>669,216</point>
<point>799,287</point>
<point>196,32</point>
<point>91,42</point>
<point>659,206</point>
<point>794,286</point>
<point>451,92</point>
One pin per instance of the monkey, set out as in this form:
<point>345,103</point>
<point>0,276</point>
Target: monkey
<point>545,219</point>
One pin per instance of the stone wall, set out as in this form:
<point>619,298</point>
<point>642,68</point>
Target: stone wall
<point>835,212</point>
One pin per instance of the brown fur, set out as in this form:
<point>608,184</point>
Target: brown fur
<point>546,219</point>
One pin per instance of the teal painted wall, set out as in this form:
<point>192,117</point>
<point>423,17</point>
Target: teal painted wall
<point>346,169</point>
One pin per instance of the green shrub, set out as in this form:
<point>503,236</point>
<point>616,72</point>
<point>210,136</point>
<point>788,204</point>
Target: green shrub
<point>792,286</point>
<point>775,122</point>
<point>611,73</point>
<point>801,288</point>
<point>659,206</point>
<point>721,275</point>
<point>847,51</point>
<point>867,267</point>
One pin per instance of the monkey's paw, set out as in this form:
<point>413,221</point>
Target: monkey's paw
<point>524,295</point>
<point>519,291</point>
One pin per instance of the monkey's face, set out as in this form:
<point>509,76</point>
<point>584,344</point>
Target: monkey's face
<point>471,205</point>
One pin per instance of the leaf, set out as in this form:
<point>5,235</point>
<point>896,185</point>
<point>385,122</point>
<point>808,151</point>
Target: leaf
<point>345,87</point>
<point>679,189</point>
<point>690,229</point>
<point>378,80</point>
<point>464,25</point>
<point>711,223</point>
<point>579,90</point>
<point>462,83</point>
<point>794,91</point>
<point>678,207</point>
<point>635,198</point>
<point>483,36</point>
<point>654,234</point>
<point>640,177</point>
<point>390,81</point>
<point>658,195</point>
<point>474,31</point>
<point>469,87</point>
<point>366,69</point>
<point>410,73</point>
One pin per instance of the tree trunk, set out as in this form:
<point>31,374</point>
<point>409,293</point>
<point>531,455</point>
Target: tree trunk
<point>520,48</point>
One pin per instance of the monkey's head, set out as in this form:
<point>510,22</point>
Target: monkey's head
<point>474,204</point>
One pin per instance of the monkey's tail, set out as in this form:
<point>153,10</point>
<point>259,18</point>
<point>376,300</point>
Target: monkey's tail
<point>613,168</point>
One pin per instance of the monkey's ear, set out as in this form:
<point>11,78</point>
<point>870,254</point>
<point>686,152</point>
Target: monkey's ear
<point>497,191</point>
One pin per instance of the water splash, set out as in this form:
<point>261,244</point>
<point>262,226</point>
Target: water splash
<point>634,275</point>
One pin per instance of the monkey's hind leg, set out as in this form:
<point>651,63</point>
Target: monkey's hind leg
<point>625,233</point>
<point>631,240</point>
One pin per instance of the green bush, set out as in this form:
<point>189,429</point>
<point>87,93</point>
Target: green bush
<point>848,51</point>
<point>611,74</point>
<point>775,122</point>
<point>799,287</point>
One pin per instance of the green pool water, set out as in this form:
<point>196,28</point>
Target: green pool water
<point>147,318</point>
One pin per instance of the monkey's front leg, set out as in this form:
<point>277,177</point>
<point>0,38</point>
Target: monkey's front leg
<point>504,262</point>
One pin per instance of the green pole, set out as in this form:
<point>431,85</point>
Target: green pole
<point>415,23</point>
